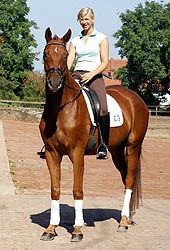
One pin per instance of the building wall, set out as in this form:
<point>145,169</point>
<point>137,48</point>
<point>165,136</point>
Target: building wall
<point>114,64</point>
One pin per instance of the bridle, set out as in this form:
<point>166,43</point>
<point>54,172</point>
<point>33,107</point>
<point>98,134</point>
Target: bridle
<point>58,70</point>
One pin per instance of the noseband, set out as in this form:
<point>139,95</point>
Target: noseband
<point>57,70</point>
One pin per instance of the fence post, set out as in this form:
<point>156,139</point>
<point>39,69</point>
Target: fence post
<point>156,110</point>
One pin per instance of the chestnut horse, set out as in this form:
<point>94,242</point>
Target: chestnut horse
<point>65,128</point>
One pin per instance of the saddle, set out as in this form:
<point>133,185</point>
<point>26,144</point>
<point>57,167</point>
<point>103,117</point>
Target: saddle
<point>95,105</point>
<point>94,101</point>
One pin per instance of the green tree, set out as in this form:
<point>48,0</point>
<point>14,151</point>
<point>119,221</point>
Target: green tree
<point>144,39</point>
<point>33,88</point>
<point>7,89</point>
<point>73,66</point>
<point>1,52</point>
<point>16,56</point>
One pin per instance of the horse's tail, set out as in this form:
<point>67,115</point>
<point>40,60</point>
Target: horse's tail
<point>136,199</point>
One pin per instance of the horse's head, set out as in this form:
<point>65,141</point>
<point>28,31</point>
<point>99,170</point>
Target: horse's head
<point>55,59</point>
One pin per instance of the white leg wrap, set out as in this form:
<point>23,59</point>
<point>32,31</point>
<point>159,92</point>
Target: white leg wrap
<point>79,213</point>
<point>55,212</point>
<point>125,210</point>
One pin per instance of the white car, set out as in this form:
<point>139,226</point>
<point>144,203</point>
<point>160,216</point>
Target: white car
<point>164,101</point>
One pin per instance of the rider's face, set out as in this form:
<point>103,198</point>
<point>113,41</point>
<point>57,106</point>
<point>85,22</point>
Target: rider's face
<point>86,22</point>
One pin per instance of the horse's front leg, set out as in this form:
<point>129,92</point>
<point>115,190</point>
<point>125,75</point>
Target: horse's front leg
<point>53,161</point>
<point>78,164</point>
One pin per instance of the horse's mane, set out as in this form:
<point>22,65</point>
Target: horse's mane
<point>55,37</point>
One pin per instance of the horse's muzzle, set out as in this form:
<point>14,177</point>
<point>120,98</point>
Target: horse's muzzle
<point>55,79</point>
<point>54,84</point>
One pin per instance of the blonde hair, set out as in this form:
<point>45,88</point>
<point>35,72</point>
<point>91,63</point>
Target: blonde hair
<point>85,11</point>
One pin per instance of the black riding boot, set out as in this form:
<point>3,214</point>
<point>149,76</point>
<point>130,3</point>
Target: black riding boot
<point>105,128</point>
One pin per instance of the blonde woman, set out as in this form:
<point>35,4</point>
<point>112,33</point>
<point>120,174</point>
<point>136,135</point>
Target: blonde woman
<point>91,51</point>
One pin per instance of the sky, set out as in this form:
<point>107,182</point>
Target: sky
<point>62,15</point>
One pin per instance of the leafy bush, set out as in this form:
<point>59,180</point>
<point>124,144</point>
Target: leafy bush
<point>33,89</point>
<point>7,90</point>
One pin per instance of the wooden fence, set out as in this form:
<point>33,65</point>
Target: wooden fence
<point>11,103</point>
<point>153,110</point>
<point>159,110</point>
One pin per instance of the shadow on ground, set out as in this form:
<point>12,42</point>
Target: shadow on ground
<point>67,217</point>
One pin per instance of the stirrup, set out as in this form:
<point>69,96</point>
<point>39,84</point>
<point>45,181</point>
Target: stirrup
<point>102,151</point>
<point>41,153</point>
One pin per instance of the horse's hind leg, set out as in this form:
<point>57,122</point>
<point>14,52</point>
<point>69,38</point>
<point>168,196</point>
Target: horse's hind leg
<point>132,185</point>
<point>119,160</point>
<point>118,157</point>
<point>127,164</point>
<point>53,161</point>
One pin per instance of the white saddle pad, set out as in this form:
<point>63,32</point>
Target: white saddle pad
<point>116,117</point>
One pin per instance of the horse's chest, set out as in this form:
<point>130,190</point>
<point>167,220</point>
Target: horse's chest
<point>65,132</point>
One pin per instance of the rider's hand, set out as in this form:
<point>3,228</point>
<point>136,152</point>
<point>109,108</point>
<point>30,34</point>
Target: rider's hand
<point>86,77</point>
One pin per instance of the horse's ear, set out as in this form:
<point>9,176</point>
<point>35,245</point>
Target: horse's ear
<point>67,36</point>
<point>48,34</point>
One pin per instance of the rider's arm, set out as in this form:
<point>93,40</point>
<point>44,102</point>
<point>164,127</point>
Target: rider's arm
<point>104,55</point>
<point>71,56</point>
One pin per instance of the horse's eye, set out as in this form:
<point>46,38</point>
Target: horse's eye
<point>65,56</point>
<point>45,55</point>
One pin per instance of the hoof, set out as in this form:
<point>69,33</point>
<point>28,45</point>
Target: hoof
<point>47,236</point>
<point>76,237</point>
<point>131,223</point>
<point>122,229</point>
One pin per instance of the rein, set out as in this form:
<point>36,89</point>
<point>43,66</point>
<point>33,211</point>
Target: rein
<point>68,86</point>
<point>59,71</point>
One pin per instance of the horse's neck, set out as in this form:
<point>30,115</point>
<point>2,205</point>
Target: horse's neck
<point>71,88</point>
<point>64,96</point>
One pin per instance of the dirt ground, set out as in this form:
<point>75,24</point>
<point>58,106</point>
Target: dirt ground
<point>30,173</point>
<point>24,216</point>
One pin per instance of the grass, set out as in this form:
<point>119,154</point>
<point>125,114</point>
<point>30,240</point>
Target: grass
<point>157,137</point>
<point>12,165</point>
